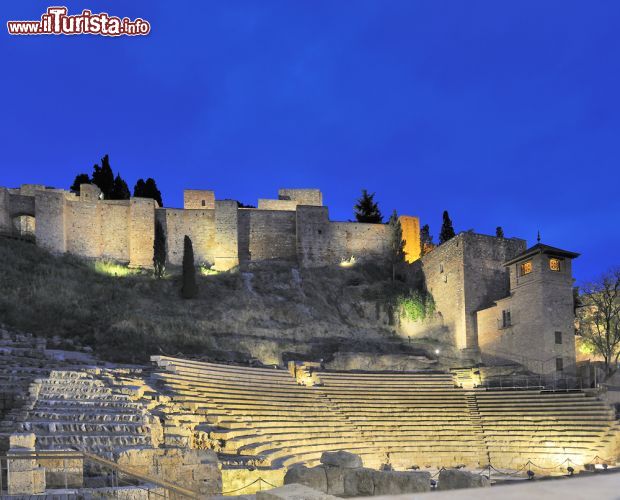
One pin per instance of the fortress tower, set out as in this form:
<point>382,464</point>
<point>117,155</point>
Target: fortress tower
<point>534,324</point>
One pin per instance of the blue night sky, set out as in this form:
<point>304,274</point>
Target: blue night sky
<point>502,112</point>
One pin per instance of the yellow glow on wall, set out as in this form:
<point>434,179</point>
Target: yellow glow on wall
<point>411,235</point>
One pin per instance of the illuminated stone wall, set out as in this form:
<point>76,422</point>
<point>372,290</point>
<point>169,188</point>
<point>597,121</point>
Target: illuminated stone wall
<point>226,235</point>
<point>321,242</point>
<point>540,304</point>
<point>198,199</point>
<point>266,204</point>
<point>114,230</point>
<point>141,231</point>
<point>295,227</point>
<point>51,232</point>
<point>199,225</point>
<point>302,196</point>
<point>464,275</point>
<point>83,228</point>
<point>266,234</point>
<point>411,236</point>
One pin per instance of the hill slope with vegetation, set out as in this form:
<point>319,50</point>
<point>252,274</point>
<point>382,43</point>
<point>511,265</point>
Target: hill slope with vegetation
<point>270,314</point>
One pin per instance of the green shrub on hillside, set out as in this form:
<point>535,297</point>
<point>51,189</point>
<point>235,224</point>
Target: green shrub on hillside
<point>416,306</point>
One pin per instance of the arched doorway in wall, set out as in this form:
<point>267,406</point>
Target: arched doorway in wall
<point>24,226</point>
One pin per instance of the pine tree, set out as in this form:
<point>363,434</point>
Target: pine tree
<point>366,210</point>
<point>79,179</point>
<point>148,189</point>
<point>397,244</point>
<point>103,177</point>
<point>447,231</point>
<point>190,288</point>
<point>499,232</point>
<point>159,251</point>
<point>426,240</point>
<point>120,191</point>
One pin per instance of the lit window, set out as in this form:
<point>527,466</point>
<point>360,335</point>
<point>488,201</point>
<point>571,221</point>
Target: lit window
<point>558,337</point>
<point>554,265</point>
<point>559,364</point>
<point>526,268</point>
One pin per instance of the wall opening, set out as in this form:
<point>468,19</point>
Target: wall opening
<point>24,226</point>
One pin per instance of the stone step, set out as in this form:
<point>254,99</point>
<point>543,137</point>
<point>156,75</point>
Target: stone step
<point>70,427</point>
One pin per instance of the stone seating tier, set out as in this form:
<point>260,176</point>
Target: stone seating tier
<point>414,418</point>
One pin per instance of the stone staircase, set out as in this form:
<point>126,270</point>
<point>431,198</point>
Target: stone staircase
<point>69,404</point>
<point>263,417</point>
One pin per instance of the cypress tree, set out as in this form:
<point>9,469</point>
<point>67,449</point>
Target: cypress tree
<point>159,251</point>
<point>148,189</point>
<point>151,191</point>
<point>426,240</point>
<point>139,189</point>
<point>120,191</point>
<point>103,177</point>
<point>190,288</point>
<point>447,231</point>
<point>499,232</point>
<point>366,210</point>
<point>397,244</point>
<point>79,179</point>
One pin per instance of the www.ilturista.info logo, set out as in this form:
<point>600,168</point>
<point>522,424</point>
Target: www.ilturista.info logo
<point>56,21</point>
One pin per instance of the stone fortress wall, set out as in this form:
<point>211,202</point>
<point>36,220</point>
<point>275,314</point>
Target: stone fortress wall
<point>467,276</point>
<point>295,227</point>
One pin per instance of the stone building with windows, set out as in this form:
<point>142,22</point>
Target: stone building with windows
<point>502,301</point>
<point>534,323</point>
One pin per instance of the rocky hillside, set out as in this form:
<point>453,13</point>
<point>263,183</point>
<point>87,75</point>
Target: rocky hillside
<point>269,313</point>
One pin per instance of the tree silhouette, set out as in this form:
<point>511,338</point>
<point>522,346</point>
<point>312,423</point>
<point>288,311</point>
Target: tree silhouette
<point>366,210</point>
<point>190,288</point>
<point>79,179</point>
<point>120,191</point>
<point>148,189</point>
<point>397,244</point>
<point>103,177</point>
<point>499,232</point>
<point>447,231</point>
<point>159,251</point>
<point>426,240</point>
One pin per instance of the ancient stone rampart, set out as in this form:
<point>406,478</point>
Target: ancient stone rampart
<point>295,227</point>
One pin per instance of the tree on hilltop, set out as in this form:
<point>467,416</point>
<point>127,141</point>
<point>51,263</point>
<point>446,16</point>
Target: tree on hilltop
<point>397,244</point>
<point>447,231</point>
<point>426,240</point>
<point>367,210</point>
<point>148,189</point>
<point>79,179</point>
<point>120,191</point>
<point>103,177</point>
<point>189,289</point>
<point>159,251</point>
<point>499,232</point>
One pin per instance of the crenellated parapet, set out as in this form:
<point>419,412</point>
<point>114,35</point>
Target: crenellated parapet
<point>294,227</point>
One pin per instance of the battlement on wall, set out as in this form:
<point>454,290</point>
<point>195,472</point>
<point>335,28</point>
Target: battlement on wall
<point>294,227</point>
